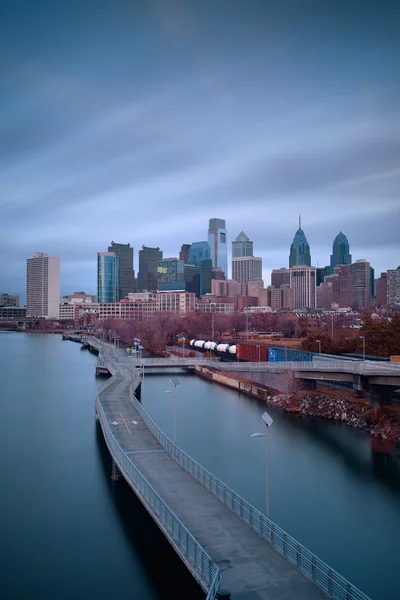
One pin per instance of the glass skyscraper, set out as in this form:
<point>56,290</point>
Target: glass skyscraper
<point>218,244</point>
<point>299,250</point>
<point>340,251</point>
<point>126,275</point>
<point>107,277</point>
<point>200,256</point>
<point>148,262</point>
<point>242,246</point>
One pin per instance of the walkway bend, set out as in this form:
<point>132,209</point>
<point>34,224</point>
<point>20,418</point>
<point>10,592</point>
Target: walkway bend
<point>214,533</point>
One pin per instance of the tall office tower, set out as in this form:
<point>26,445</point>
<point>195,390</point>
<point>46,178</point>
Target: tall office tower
<point>393,286</point>
<point>381,287</point>
<point>170,275</point>
<point>299,250</point>
<point>126,275</point>
<point>342,286</point>
<point>184,253</point>
<point>280,277</point>
<point>43,286</point>
<point>107,277</point>
<point>281,298</point>
<point>360,273</point>
<point>217,273</point>
<point>372,281</point>
<point>302,281</point>
<point>254,287</point>
<point>246,268</point>
<point>322,272</point>
<point>242,246</point>
<point>218,244</point>
<point>200,256</point>
<point>340,252</point>
<point>192,279</point>
<point>148,261</point>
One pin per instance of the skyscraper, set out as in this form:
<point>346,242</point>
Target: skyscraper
<point>340,251</point>
<point>170,274</point>
<point>381,287</point>
<point>218,244</point>
<point>43,286</point>
<point>148,261</point>
<point>300,250</point>
<point>280,277</point>
<point>126,274</point>
<point>107,277</point>
<point>200,256</point>
<point>393,286</point>
<point>302,281</point>
<point>360,273</point>
<point>242,246</point>
<point>184,253</point>
<point>246,268</point>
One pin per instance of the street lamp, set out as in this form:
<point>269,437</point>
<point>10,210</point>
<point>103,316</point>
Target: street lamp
<point>363,339</point>
<point>268,422</point>
<point>319,345</point>
<point>259,359</point>
<point>174,381</point>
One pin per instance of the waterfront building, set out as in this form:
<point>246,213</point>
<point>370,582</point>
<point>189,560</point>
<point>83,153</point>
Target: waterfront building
<point>303,283</point>
<point>43,286</point>
<point>126,274</point>
<point>6,300</point>
<point>381,287</point>
<point>67,311</point>
<point>242,246</point>
<point>393,286</point>
<point>217,240</point>
<point>299,250</point>
<point>360,273</point>
<point>340,252</point>
<point>280,277</point>
<point>12,312</point>
<point>184,253</point>
<point>246,268</point>
<point>127,310</point>
<point>177,301</point>
<point>148,261</point>
<point>107,277</point>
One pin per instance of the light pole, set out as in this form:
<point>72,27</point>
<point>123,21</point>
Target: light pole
<point>259,359</point>
<point>363,339</point>
<point>268,422</point>
<point>319,345</point>
<point>174,381</point>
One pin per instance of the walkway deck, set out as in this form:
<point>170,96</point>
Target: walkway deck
<point>251,569</point>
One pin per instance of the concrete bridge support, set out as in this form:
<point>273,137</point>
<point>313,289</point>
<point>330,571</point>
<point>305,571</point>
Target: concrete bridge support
<point>115,472</point>
<point>380,395</point>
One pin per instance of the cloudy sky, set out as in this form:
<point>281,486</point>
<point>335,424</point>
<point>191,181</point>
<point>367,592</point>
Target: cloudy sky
<point>136,121</point>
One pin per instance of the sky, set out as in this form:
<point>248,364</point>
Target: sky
<point>139,121</point>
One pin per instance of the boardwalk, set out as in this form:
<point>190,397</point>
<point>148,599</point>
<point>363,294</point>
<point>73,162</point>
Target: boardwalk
<point>251,569</point>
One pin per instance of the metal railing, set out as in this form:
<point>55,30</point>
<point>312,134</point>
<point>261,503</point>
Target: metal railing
<point>326,578</point>
<point>201,565</point>
<point>358,368</point>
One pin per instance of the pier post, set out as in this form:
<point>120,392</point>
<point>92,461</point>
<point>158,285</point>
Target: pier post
<point>115,472</point>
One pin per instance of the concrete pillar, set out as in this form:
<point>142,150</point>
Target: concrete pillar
<point>380,395</point>
<point>360,383</point>
<point>115,472</point>
<point>307,384</point>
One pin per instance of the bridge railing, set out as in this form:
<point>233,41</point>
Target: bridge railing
<point>358,368</point>
<point>326,578</point>
<point>193,554</point>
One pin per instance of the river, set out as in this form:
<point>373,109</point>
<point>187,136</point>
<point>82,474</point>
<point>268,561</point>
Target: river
<point>68,531</point>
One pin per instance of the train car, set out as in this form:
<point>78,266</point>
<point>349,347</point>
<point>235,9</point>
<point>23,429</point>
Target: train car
<point>232,350</point>
<point>279,354</point>
<point>222,347</point>
<point>252,352</point>
<point>199,344</point>
<point>191,343</point>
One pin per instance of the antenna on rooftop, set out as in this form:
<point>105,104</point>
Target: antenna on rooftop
<point>299,221</point>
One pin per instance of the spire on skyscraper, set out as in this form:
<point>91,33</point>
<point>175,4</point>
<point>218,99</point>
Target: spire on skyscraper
<point>299,250</point>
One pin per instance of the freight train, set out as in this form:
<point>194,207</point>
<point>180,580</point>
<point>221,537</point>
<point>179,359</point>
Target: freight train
<point>260,353</point>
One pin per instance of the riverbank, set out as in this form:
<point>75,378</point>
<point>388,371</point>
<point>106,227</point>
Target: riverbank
<point>337,405</point>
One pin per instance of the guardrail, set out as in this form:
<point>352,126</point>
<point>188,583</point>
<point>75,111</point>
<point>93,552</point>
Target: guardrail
<point>326,578</point>
<point>358,368</point>
<point>201,565</point>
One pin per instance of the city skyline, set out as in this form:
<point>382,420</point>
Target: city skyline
<point>156,120</point>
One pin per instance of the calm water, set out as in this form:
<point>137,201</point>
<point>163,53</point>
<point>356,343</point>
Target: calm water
<point>68,532</point>
<point>327,489</point>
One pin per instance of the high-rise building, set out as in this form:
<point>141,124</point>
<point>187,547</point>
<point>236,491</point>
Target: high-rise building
<point>254,286</point>
<point>393,286</point>
<point>126,274</point>
<point>192,279</point>
<point>280,277</point>
<point>242,246</point>
<point>342,287</point>
<point>218,244</point>
<point>6,300</point>
<point>43,286</point>
<point>281,298</point>
<point>170,274</point>
<point>200,256</point>
<point>107,277</point>
<point>303,283</point>
<point>360,273</point>
<point>322,272</point>
<point>148,261</point>
<point>184,253</point>
<point>246,268</point>
<point>340,252</point>
<point>372,281</point>
<point>299,250</point>
<point>381,287</point>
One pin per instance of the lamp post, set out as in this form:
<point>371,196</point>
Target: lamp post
<point>363,339</point>
<point>319,345</point>
<point>174,381</point>
<point>259,359</point>
<point>268,422</point>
